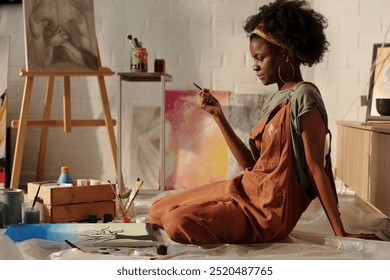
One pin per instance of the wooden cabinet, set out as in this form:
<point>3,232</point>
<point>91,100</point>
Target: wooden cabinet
<point>363,161</point>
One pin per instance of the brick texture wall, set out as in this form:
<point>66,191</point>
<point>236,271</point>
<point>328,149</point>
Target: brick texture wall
<point>201,39</point>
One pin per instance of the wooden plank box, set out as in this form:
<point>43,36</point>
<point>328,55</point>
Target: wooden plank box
<point>61,204</point>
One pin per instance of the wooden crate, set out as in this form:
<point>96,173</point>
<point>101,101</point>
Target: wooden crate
<point>72,204</point>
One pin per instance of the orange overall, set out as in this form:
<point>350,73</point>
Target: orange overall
<point>262,204</point>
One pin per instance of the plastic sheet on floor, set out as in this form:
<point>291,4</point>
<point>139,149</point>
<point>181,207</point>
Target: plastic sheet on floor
<point>312,238</point>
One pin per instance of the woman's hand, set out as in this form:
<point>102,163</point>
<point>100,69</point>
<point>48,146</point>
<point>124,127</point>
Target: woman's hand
<point>368,236</point>
<point>58,37</point>
<point>209,103</point>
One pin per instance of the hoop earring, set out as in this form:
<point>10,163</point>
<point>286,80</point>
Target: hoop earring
<point>293,72</point>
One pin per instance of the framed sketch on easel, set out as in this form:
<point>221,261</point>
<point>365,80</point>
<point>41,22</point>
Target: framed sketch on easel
<point>60,35</point>
<point>60,43</point>
<point>378,108</point>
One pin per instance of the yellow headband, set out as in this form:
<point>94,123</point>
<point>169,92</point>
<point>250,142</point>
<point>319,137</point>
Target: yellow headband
<point>259,30</point>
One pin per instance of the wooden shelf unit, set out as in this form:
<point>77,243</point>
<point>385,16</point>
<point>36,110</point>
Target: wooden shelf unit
<point>363,161</point>
<point>162,78</point>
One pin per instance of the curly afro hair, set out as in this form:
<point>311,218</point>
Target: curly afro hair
<point>299,27</point>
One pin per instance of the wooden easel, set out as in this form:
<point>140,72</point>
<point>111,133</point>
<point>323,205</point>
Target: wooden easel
<point>67,121</point>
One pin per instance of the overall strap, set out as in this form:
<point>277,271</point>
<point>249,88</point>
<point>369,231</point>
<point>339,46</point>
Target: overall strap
<point>328,168</point>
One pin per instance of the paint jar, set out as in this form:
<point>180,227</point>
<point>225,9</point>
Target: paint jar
<point>93,219</point>
<point>64,177</point>
<point>125,217</point>
<point>30,214</point>
<point>139,60</point>
<point>82,182</point>
<point>93,182</point>
<point>12,200</point>
<point>159,65</point>
<point>107,218</point>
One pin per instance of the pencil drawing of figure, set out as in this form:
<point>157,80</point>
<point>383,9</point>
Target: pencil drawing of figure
<point>60,35</point>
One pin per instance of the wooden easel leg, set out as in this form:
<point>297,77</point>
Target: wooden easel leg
<point>109,125</point>
<point>67,110</point>
<point>45,130</point>
<point>21,135</point>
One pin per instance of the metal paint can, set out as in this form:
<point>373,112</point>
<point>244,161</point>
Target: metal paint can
<point>12,200</point>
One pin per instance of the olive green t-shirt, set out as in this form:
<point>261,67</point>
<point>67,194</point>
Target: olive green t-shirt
<point>304,97</point>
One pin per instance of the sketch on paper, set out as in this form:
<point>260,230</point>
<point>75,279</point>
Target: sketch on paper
<point>60,35</point>
<point>98,234</point>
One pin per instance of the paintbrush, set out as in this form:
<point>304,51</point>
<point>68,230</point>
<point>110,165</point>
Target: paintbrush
<point>118,199</point>
<point>73,245</point>
<point>131,41</point>
<point>126,194</point>
<point>133,193</point>
<point>191,82</point>
<point>36,197</point>
<point>137,43</point>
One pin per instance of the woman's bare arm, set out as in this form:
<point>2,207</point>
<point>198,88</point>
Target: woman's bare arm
<point>313,136</point>
<point>239,150</point>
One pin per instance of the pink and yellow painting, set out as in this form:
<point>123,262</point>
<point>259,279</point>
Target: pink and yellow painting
<point>196,152</point>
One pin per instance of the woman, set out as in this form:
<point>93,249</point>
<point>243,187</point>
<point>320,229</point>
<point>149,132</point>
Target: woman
<point>283,170</point>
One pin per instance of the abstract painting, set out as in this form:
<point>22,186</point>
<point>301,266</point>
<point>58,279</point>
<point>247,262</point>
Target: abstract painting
<point>195,150</point>
<point>196,153</point>
<point>60,35</point>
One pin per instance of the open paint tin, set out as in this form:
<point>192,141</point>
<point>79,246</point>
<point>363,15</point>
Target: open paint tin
<point>12,200</point>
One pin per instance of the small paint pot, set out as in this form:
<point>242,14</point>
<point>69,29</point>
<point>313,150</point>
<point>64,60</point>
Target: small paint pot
<point>82,182</point>
<point>107,217</point>
<point>162,250</point>
<point>30,215</point>
<point>94,182</point>
<point>140,219</point>
<point>139,252</point>
<point>159,65</point>
<point>93,219</point>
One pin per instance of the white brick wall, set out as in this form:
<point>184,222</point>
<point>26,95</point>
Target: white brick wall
<point>201,39</point>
